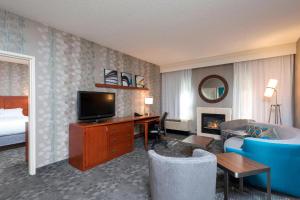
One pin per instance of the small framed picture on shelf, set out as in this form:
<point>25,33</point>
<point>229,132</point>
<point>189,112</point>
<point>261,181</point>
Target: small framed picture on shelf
<point>126,79</point>
<point>139,81</point>
<point>110,77</point>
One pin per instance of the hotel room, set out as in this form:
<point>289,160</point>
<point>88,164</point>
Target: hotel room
<point>13,103</point>
<point>161,100</point>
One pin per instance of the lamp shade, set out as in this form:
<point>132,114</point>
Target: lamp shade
<point>269,91</point>
<point>272,83</point>
<point>149,100</point>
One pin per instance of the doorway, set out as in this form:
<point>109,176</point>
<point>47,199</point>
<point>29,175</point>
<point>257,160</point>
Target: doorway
<point>31,141</point>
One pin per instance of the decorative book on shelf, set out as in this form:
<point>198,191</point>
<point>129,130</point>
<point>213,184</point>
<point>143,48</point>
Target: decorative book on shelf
<point>101,85</point>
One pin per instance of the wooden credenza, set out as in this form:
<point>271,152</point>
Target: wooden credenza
<point>92,144</point>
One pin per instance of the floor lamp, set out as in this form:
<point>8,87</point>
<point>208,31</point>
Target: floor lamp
<point>270,90</point>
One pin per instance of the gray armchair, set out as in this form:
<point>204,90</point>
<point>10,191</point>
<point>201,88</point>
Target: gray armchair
<point>190,178</point>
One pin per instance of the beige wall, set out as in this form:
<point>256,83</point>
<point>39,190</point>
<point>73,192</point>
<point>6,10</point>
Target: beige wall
<point>297,87</point>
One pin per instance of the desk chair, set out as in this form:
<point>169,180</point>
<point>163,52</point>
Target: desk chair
<point>159,129</point>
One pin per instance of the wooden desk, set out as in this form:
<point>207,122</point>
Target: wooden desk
<point>239,167</point>
<point>146,122</point>
<point>91,144</point>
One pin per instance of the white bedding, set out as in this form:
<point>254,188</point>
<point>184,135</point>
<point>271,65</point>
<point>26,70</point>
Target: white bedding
<point>12,125</point>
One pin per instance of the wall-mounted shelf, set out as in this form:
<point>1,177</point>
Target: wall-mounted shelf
<point>101,85</point>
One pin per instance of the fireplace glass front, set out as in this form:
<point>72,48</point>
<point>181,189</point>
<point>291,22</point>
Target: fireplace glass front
<point>211,123</point>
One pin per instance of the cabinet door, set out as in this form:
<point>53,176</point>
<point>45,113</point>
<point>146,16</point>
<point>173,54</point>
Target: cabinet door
<point>96,146</point>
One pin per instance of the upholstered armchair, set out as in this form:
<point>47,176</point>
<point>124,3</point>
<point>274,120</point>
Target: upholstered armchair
<point>191,178</point>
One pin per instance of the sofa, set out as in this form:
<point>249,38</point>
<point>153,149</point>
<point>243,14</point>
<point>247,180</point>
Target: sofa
<point>190,178</point>
<point>229,127</point>
<point>281,154</point>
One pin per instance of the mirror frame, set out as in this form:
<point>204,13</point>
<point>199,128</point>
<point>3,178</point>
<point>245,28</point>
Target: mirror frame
<point>213,100</point>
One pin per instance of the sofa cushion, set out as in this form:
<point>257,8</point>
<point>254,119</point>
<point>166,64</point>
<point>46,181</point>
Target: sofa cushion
<point>287,133</point>
<point>265,125</point>
<point>238,124</point>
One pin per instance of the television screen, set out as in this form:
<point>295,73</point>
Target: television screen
<point>95,105</point>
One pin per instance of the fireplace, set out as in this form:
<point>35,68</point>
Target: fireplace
<point>205,112</point>
<point>211,123</point>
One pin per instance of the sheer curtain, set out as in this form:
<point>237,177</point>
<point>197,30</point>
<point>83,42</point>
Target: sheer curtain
<point>177,94</point>
<point>250,81</point>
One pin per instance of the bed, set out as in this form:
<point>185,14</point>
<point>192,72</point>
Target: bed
<point>13,119</point>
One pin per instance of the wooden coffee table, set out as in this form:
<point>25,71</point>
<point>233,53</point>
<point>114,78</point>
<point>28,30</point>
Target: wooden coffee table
<point>198,141</point>
<point>239,167</point>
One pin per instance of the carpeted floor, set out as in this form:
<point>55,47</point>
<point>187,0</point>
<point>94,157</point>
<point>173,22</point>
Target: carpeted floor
<point>123,178</point>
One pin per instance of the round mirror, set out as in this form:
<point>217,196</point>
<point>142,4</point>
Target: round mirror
<point>213,89</point>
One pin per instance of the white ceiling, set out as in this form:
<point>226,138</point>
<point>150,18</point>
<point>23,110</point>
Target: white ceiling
<point>170,31</point>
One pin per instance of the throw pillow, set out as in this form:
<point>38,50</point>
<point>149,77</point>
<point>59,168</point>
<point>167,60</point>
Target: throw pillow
<point>253,131</point>
<point>261,132</point>
<point>268,134</point>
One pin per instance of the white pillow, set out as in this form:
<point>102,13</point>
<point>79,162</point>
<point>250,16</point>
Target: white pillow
<point>15,112</point>
<point>1,111</point>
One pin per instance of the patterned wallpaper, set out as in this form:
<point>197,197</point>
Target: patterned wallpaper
<point>14,79</point>
<point>65,64</point>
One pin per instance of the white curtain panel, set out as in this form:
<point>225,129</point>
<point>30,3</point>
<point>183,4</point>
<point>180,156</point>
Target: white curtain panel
<point>250,81</point>
<point>177,94</point>
<point>186,95</point>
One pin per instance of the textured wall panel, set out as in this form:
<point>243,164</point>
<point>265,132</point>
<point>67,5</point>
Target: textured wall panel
<point>14,79</point>
<point>65,64</point>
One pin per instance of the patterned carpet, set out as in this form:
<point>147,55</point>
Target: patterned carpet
<point>123,178</point>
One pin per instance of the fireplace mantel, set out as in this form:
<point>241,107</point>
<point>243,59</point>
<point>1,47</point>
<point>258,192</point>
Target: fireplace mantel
<point>211,110</point>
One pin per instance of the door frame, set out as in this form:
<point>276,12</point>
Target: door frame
<point>32,106</point>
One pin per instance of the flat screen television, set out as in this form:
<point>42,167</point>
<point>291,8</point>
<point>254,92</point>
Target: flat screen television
<point>94,106</point>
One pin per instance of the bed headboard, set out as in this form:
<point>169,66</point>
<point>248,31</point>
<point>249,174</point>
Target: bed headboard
<point>8,102</point>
